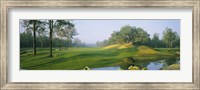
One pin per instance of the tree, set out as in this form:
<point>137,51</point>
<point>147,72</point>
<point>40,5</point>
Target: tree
<point>50,36</point>
<point>34,37</point>
<point>155,39</point>
<point>65,29</point>
<point>32,25</point>
<point>136,36</point>
<point>41,32</point>
<point>115,38</point>
<point>140,37</point>
<point>127,33</point>
<point>77,42</point>
<point>26,39</point>
<point>177,41</point>
<point>169,37</point>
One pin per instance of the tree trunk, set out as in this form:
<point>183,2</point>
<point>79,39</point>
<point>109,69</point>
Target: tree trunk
<point>50,37</point>
<point>34,37</point>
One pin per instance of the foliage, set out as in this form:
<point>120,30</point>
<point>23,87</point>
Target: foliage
<point>62,29</point>
<point>137,36</point>
<point>33,26</point>
<point>155,40</point>
<point>133,68</point>
<point>86,68</point>
<point>65,29</point>
<point>170,37</point>
<point>144,68</point>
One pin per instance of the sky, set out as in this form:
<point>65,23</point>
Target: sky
<point>91,31</point>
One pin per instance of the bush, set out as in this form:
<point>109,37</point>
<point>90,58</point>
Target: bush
<point>86,68</point>
<point>144,68</point>
<point>133,68</point>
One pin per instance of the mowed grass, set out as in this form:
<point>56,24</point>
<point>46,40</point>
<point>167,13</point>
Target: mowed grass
<point>78,58</point>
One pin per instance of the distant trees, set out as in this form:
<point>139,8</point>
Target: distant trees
<point>41,31</point>
<point>115,38</point>
<point>170,37</point>
<point>65,29</point>
<point>137,36</point>
<point>155,40</point>
<point>60,33</point>
<point>76,42</point>
<point>32,26</point>
<point>36,32</point>
<point>26,39</point>
<point>127,34</point>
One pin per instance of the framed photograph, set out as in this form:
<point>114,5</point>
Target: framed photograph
<point>103,44</point>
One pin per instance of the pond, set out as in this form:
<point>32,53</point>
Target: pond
<point>150,65</point>
<point>108,68</point>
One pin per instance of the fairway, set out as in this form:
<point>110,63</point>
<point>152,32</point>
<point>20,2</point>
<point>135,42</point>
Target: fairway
<point>99,44</point>
<point>92,57</point>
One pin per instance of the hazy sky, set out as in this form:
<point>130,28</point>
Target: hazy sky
<point>91,31</point>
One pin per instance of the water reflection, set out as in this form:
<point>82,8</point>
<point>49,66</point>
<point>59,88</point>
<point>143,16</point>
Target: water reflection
<point>108,68</point>
<point>158,64</point>
<point>150,65</point>
<point>154,66</point>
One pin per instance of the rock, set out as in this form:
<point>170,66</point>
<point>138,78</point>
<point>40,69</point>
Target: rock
<point>86,68</point>
<point>133,68</point>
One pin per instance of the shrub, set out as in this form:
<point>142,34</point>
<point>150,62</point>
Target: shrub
<point>86,68</point>
<point>133,68</point>
<point>144,68</point>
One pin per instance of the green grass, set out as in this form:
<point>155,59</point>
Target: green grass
<point>78,58</point>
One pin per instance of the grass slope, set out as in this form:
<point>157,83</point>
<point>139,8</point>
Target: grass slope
<point>78,58</point>
<point>119,46</point>
<point>172,67</point>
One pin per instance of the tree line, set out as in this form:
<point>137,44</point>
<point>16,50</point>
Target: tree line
<point>60,33</point>
<point>138,36</point>
<point>26,41</point>
<point>48,33</point>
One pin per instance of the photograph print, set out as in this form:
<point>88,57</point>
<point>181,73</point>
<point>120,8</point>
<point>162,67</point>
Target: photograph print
<point>99,44</point>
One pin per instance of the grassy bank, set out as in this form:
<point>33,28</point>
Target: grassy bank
<point>78,58</point>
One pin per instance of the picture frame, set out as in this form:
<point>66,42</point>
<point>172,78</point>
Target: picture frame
<point>4,43</point>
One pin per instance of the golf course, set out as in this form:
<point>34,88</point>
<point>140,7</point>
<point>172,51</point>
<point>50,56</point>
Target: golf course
<point>79,58</point>
<point>99,45</point>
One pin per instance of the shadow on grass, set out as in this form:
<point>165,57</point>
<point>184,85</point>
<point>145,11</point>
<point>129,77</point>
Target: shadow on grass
<point>47,63</point>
